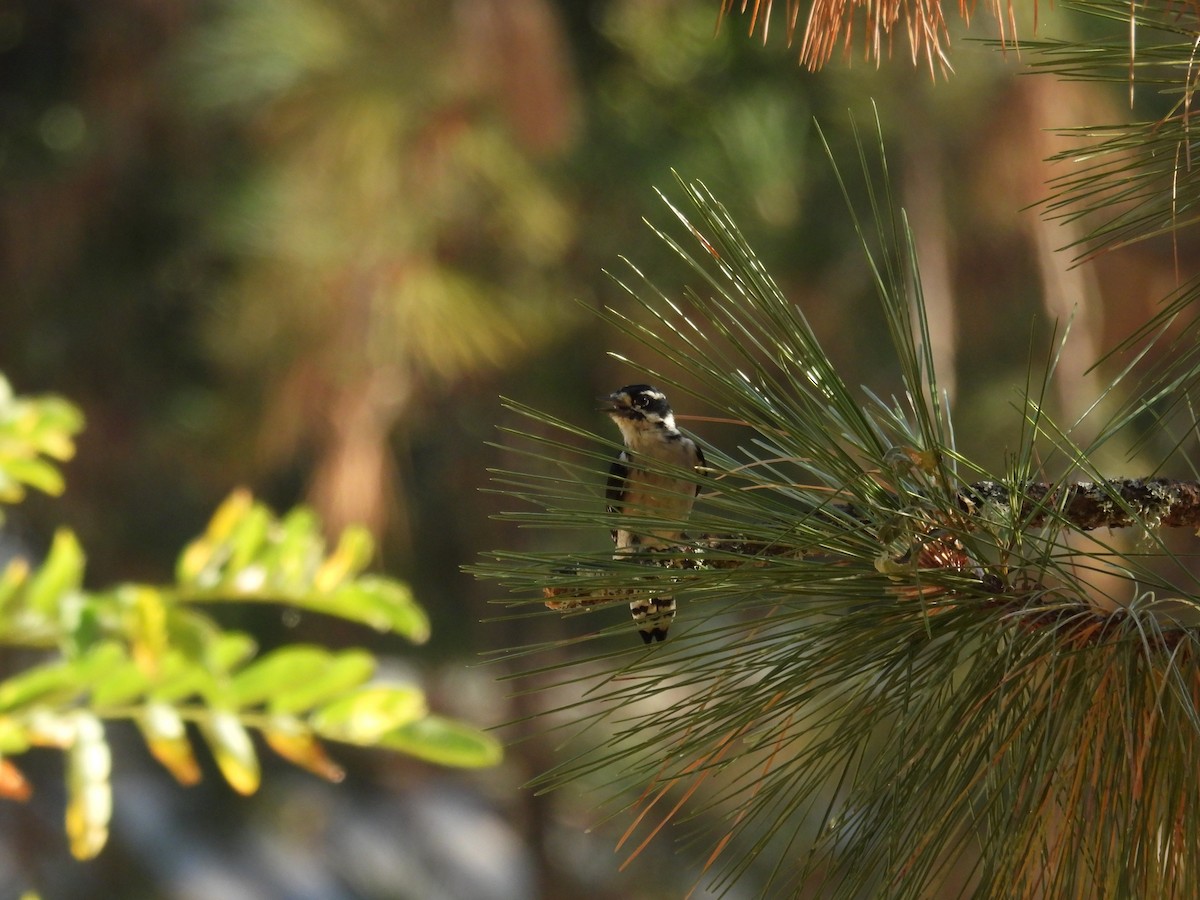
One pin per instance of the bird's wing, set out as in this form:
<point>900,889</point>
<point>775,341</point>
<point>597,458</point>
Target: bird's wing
<point>615,492</point>
<point>700,464</point>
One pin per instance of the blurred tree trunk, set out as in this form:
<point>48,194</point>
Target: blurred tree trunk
<point>397,236</point>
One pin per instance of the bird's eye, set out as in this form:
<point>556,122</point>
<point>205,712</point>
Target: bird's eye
<point>641,402</point>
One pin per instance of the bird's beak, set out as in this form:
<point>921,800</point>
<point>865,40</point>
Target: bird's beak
<point>610,404</point>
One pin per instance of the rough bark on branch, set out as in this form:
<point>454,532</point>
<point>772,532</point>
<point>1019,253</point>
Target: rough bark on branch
<point>1086,505</point>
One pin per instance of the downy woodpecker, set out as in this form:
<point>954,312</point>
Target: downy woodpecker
<point>640,484</point>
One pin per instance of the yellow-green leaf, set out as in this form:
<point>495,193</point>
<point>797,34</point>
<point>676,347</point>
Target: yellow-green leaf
<point>89,793</point>
<point>193,561</point>
<point>363,715</point>
<point>245,543</point>
<point>60,574</point>
<point>61,679</point>
<point>345,670</point>
<point>182,676</point>
<point>60,422</point>
<point>37,473</point>
<point>32,428</point>
<point>56,679</point>
<point>353,552</point>
<point>231,512</point>
<point>233,750</point>
<point>46,424</point>
<point>81,617</point>
<point>298,552</point>
<point>14,736</point>
<point>298,746</point>
<point>146,609</point>
<point>201,561</point>
<point>190,632</point>
<point>166,737</point>
<point>276,672</point>
<point>230,650</point>
<point>382,603</point>
<point>120,685</point>
<point>11,490</point>
<point>444,741</point>
<point>16,573</point>
<point>102,660</point>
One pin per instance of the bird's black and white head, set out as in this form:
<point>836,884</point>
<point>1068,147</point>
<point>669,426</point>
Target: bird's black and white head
<point>640,411</point>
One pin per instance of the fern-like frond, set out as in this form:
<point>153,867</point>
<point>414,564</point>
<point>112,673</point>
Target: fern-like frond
<point>150,654</point>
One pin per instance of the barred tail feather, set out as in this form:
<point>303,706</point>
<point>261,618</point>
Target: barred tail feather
<point>653,617</point>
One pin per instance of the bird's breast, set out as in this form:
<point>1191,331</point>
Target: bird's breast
<point>658,495</point>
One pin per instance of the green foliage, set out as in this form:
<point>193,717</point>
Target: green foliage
<point>246,554</point>
<point>35,433</point>
<point>152,655</point>
<point>876,685</point>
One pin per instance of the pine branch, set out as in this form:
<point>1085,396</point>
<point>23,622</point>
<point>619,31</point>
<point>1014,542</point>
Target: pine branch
<point>1086,505</point>
<point>895,666</point>
<point>1082,506</point>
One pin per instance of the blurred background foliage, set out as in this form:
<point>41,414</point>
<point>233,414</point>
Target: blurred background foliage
<point>302,245</point>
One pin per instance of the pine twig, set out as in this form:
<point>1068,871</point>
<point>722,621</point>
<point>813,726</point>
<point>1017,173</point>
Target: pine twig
<point>1084,506</point>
